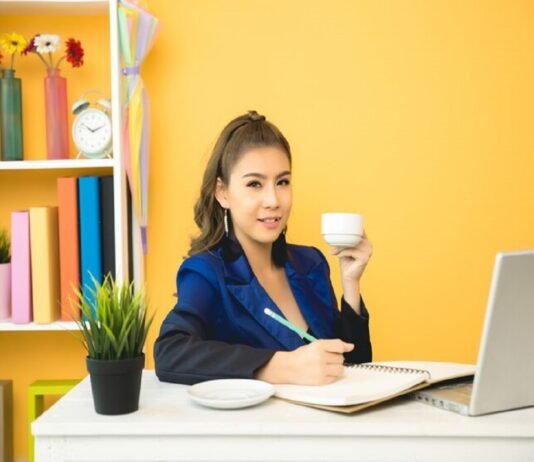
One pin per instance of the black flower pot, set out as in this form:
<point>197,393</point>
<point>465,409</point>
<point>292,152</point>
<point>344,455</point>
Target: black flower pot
<point>116,384</point>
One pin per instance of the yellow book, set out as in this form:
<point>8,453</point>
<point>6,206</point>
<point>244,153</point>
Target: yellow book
<point>44,264</point>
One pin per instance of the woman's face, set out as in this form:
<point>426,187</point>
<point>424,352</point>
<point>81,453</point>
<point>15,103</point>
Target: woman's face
<point>258,195</point>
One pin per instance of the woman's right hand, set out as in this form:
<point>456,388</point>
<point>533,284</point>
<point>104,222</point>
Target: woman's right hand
<point>318,363</point>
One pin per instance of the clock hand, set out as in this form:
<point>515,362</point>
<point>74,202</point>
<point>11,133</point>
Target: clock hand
<point>88,128</point>
<point>98,128</point>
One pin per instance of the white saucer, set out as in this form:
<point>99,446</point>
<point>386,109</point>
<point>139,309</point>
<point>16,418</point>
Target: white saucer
<point>230,393</point>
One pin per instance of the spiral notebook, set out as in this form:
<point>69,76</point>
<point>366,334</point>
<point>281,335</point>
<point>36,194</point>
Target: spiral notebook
<point>364,385</point>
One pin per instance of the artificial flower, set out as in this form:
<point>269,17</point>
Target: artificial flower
<point>74,52</point>
<point>46,43</point>
<point>43,45</point>
<point>29,48</point>
<point>13,43</point>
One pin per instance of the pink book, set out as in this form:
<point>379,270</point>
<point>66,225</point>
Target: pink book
<point>21,297</point>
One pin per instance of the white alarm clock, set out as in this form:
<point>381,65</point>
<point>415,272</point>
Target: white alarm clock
<point>91,129</point>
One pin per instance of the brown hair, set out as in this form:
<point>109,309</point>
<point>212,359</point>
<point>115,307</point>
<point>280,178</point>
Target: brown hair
<point>245,132</point>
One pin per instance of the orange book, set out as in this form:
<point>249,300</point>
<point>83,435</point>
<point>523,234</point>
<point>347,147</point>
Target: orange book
<point>45,264</point>
<point>69,247</point>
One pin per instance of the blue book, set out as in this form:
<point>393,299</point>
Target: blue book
<point>107,214</point>
<point>90,235</point>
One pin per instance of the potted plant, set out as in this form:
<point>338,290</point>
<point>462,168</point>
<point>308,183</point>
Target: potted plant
<point>5,275</point>
<point>114,327</point>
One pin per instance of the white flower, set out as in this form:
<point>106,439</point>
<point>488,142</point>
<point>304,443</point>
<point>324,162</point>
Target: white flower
<point>46,43</point>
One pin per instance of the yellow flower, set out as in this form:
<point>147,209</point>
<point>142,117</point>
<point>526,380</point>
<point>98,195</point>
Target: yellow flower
<point>13,43</point>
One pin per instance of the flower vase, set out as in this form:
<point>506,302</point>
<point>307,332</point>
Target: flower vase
<point>57,136</point>
<point>5,290</point>
<point>11,115</point>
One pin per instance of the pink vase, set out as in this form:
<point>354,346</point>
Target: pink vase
<point>5,290</point>
<point>57,134</point>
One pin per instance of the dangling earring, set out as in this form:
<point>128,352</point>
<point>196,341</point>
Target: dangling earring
<point>226,222</point>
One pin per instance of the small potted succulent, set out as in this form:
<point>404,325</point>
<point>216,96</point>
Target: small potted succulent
<point>5,275</point>
<point>114,327</point>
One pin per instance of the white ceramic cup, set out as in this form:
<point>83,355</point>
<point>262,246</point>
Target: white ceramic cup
<point>342,229</point>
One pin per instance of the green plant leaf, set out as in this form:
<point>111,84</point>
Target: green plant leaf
<point>117,327</point>
<point>5,247</point>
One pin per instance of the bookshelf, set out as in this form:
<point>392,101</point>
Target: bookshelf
<point>36,169</point>
<point>66,164</point>
<point>55,7</point>
<point>7,326</point>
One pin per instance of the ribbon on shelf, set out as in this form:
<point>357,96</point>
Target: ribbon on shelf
<point>137,31</point>
<point>130,70</point>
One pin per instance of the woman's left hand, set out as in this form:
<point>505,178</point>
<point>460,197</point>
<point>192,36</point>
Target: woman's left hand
<point>353,260</point>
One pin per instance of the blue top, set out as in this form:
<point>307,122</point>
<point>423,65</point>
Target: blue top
<point>218,328</point>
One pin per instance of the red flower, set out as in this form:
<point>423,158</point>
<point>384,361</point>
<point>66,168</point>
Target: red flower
<point>1,57</point>
<point>30,47</point>
<point>74,52</point>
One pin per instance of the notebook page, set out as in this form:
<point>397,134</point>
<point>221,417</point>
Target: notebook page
<point>357,386</point>
<point>438,370</point>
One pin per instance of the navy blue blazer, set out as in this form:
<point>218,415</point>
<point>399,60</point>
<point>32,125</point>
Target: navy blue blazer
<point>218,328</point>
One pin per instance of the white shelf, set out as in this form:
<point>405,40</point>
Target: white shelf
<point>61,164</point>
<point>31,326</point>
<point>115,166</point>
<point>54,7</point>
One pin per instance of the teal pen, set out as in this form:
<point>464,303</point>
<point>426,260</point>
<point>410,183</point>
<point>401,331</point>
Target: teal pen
<point>290,326</point>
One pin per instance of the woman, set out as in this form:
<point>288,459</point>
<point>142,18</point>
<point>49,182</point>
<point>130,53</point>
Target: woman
<point>241,264</point>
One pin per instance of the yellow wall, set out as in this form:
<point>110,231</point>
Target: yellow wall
<point>416,114</point>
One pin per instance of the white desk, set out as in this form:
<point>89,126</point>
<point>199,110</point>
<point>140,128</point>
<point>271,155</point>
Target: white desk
<point>169,427</point>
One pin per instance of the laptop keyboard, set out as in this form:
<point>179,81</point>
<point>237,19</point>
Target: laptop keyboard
<point>461,389</point>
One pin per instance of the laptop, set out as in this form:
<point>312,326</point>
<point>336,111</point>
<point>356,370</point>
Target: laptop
<point>504,378</point>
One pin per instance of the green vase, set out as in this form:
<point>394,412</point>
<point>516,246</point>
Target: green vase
<point>11,115</point>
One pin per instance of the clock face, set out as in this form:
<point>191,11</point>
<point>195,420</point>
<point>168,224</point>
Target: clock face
<point>91,132</point>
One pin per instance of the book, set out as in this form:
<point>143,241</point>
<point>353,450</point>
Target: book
<point>21,279</point>
<point>90,235</point>
<point>129,224</point>
<point>6,420</point>
<point>368,384</point>
<point>44,264</point>
<point>107,214</point>
<point>69,248</point>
